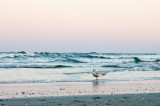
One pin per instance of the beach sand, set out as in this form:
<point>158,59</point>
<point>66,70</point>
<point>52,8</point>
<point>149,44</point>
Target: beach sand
<point>87,100</point>
<point>113,93</point>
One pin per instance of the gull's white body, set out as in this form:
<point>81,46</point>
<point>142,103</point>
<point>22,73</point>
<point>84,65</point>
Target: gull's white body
<point>96,74</point>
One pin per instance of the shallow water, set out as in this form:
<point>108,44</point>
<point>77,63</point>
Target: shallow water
<point>16,67</point>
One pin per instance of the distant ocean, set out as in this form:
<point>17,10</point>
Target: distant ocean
<point>38,67</point>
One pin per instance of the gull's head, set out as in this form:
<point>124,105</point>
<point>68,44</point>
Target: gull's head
<point>94,70</point>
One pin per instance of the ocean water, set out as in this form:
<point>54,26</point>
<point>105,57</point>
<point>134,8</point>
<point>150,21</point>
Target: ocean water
<point>38,67</point>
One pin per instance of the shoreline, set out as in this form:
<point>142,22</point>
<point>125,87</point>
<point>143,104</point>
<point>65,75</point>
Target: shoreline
<point>78,88</point>
<point>96,93</point>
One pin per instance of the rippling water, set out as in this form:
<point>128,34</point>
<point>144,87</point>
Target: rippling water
<point>33,67</point>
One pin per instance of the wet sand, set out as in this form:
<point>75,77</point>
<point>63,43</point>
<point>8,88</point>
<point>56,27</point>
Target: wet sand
<point>143,99</point>
<point>82,93</point>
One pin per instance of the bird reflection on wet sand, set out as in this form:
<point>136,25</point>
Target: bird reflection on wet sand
<point>97,85</point>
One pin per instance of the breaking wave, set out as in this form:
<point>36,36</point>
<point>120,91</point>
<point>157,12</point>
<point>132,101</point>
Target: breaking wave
<point>22,52</point>
<point>112,66</point>
<point>96,56</point>
<point>137,60</point>
<point>129,61</point>
<point>157,60</point>
<point>35,66</point>
<point>73,61</point>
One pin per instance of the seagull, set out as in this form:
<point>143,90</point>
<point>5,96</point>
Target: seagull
<point>96,74</point>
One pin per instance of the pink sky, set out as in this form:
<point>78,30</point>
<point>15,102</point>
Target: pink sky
<point>80,25</point>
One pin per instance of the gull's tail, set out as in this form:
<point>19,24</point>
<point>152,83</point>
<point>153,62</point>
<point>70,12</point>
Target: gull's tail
<point>103,74</point>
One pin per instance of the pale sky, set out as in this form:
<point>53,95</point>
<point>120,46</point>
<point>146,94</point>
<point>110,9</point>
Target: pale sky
<point>80,25</point>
